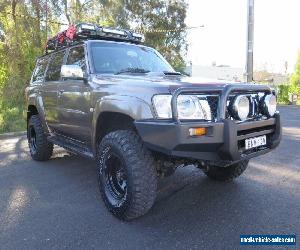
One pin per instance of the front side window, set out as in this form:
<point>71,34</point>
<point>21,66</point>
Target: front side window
<point>53,72</point>
<point>76,56</point>
<point>118,57</point>
<point>39,71</point>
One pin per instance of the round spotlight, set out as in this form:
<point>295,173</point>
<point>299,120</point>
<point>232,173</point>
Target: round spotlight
<point>269,105</point>
<point>241,107</point>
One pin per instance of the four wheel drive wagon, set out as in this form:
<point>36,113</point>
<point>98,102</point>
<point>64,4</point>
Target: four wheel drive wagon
<point>103,95</point>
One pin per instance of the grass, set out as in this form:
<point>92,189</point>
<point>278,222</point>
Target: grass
<point>12,119</point>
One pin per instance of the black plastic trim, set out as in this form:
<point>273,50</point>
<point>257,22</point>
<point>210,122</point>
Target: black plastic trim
<point>255,134</point>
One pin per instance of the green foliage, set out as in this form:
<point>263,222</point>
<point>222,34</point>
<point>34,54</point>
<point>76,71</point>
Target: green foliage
<point>283,94</point>
<point>22,44</point>
<point>292,88</point>
<point>295,77</point>
<point>12,119</point>
<point>285,90</point>
<point>25,33</point>
<point>162,15</point>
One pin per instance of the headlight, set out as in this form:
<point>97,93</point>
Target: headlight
<point>188,107</point>
<point>268,105</point>
<point>162,105</point>
<point>240,107</point>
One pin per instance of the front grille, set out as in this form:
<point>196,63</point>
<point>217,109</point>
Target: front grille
<point>213,102</point>
<point>245,132</point>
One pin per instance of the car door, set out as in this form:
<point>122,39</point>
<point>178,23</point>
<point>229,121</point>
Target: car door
<point>74,100</point>
<point>49,90</point>
<point>37,82</point>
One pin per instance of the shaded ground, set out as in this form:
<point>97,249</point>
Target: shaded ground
<point>56,204</point>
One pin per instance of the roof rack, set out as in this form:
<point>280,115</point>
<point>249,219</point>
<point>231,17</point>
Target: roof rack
<point>86,31</point>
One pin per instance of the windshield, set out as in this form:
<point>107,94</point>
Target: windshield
<point>119,58</point>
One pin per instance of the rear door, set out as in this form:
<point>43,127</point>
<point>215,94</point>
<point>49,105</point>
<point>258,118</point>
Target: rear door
<point>74,101</point>
<point>49,91</point>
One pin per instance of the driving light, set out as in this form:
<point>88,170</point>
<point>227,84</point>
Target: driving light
<point>241,107</point>
<point>268,105</point>
<point>86,26</point>
<point>114,31</point>
<point>188,107</point>
<point>138,36</point>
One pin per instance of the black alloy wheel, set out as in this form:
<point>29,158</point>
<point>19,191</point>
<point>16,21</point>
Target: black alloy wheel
<point>32,139</point>
<point>115,178</point>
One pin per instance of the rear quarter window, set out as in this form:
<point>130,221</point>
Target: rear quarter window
<point>39,71</point>
<point>54,68</point>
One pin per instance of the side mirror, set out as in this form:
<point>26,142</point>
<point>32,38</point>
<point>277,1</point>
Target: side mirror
<point>72,72</point>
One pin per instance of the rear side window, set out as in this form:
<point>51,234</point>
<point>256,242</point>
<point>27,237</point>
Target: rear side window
<point>76,56</point>
<point>53,72</point>
<point>39,71</point>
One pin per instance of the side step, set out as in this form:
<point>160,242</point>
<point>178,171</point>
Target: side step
<point>71,146</point>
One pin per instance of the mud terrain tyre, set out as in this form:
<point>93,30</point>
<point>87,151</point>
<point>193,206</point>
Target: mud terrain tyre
<point>126,174</point>
<point>226,173</point>
<point>40,148</point>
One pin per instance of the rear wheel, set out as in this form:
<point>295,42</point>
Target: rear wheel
<point>226,173</point>
<point>40,148</point>
<point>127,177</point>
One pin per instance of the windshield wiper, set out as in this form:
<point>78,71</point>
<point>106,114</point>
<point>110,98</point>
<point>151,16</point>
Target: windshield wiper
<point>132,70</point>
<point>172,73</point>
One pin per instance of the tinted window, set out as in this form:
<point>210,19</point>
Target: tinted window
<point>53,72</point>
<point>76,56</point>
<point>115,57</point>
<point>39,71</point>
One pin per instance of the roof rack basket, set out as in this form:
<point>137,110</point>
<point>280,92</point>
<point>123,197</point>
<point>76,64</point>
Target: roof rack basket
<point>85,31</point>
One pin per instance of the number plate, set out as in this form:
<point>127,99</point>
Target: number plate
<point>255,142</point>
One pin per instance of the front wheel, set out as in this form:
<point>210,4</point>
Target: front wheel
<point>226,173</point>
<point>126,173</point>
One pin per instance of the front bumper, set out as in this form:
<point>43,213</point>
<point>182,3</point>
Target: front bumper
<point>223,144</point>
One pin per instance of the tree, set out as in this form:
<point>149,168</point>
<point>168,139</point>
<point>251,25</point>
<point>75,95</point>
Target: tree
<point>151,16</point>
<point>22,24</point>
<point>295,77</point>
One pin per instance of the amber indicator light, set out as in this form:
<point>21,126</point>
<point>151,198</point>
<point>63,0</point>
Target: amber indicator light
<point>197,131</point>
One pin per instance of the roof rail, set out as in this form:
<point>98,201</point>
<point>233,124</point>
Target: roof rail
<point>87,31</point>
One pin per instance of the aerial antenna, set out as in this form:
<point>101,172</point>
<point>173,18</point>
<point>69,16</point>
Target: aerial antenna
<point>250,38</point>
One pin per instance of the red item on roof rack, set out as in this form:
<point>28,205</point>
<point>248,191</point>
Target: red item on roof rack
<point>61,39</point>
<point>71,32</point>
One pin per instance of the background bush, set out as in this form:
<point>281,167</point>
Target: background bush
<point>284,91</point>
